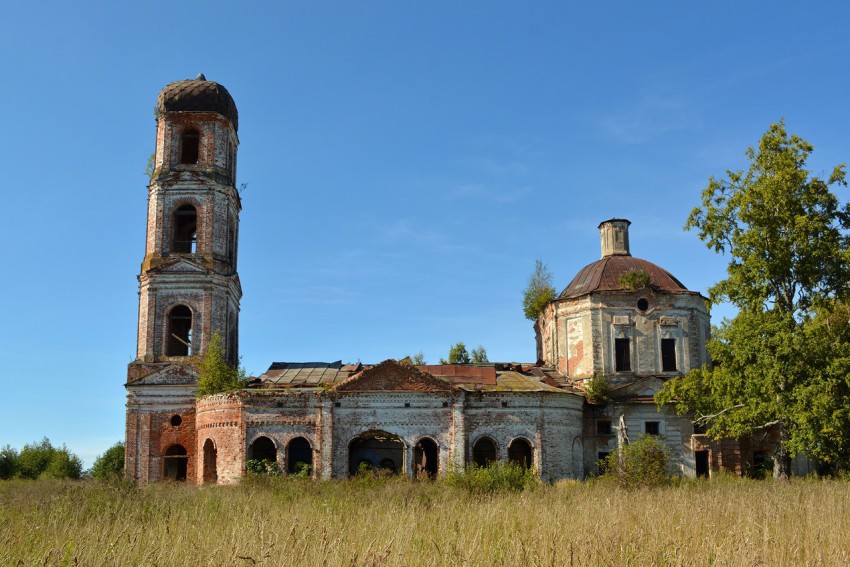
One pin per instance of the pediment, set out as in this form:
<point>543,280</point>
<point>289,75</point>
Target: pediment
<point>642,387</point>
<point>392,376</point>
<point>182,265</point>
<point>168,375</point>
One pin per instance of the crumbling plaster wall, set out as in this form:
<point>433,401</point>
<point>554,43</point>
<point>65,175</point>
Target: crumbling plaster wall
<point>577,335</point>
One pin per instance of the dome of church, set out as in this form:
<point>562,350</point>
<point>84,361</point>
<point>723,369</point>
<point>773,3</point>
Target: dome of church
<point>604,274</point>
<point>198,95</point>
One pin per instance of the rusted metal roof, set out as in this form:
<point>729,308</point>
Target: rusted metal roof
<point>198,95</point>
<point>491,377</point>
<point>462,373</point>
<point>306,374</point>
<point>604,275</point>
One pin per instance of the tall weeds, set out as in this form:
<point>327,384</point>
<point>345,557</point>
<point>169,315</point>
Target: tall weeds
<point>392,521</point>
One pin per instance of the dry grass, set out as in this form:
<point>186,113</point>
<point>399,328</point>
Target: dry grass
<point>399,522</point>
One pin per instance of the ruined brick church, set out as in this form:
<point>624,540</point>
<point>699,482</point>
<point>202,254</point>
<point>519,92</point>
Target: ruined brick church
<point>332,418</point>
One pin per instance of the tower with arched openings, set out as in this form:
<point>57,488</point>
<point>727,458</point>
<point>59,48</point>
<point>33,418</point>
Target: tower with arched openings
<point>188,284</point>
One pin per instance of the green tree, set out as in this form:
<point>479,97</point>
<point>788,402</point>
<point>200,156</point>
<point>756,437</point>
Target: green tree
<point>44,460</point>
<point>110,464</point>
<point>63,464</point>
<point>8,462</point>
<point>785,234</point>
<point>457,355</point>
<point>539,291</point>
<point>215,375</point>
<point>479,355</point>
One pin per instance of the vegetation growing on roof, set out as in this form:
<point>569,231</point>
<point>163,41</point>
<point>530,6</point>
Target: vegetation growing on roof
<point>635,279</point>
<point>215,375</point>
<point>539,291</point>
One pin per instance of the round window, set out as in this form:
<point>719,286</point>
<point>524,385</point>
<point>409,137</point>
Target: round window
<point>643,304</point>
<point>176,420</point>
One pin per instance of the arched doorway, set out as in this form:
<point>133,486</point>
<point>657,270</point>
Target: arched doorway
<point>484,452</point>
<point>426,458</point>
<point>210,470</point>
<point>174,463</point>
<point>299,457</point>
<point>263,449</point>
<point>376,450</point>
<point>520,452</point>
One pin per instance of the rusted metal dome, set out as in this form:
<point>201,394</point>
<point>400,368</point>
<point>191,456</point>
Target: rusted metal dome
<point>198,95</point>
<point>604,275</point>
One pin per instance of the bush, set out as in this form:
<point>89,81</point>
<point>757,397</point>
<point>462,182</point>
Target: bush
<point>262,467</point>
<point>109,465</point>
<point>496,477</point>
<point>8,462</point>
<point>43,459</point>
<point>644,463</point>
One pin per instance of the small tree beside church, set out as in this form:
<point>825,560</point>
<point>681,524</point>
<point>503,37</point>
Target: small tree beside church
<point>539,291</point>
<point>215,375</point>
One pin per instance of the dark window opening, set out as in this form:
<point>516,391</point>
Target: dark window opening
<point>179,339</point>
<point>602,462</point>
<point>426,458</point>
<point>185,230</point>
<point>622,354</point>
<point>232,347</point>
<point>603,427</point>
<point>668,355</point>
<point>519,452</point>
<point>189,144</point>
<point>299,457</point>
<point>376,450</point>
<point>174,463</point>
<point>643,304</point>
<point>652,427</point>
<point>762,465</point>
<point>484,452</point>
<point>176,420</point>
<point>231,242</point>
<point>210,466</point>
<point>701,461</point>
<point>263,449</point>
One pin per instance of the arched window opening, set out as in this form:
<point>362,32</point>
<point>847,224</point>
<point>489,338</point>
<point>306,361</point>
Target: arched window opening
<point>174,463</point>
<point>179,339</point>
<point>210,465</point>
<point>426,458</point>
<point>233,350</point>
<point>519,452</point>
<point>376,450</point>
<point>231,242</point>
<point>299,457</point>
<point>484,452</point>
<point>185,230</point>
<point>189,144</point>
<point>263,449</point>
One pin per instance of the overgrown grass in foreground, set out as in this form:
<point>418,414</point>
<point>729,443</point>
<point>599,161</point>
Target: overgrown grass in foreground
<point>394,521</point>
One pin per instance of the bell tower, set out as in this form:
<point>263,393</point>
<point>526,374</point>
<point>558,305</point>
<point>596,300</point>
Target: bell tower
<point>188,284</point>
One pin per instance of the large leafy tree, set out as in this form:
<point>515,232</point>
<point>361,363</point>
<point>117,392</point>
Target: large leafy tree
<point>775,370</point>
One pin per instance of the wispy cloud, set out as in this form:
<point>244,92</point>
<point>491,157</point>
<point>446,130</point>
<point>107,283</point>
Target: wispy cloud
<point>489,193</point>
<point>649,117</point>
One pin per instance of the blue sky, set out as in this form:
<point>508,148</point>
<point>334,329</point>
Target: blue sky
<point>405,162</point>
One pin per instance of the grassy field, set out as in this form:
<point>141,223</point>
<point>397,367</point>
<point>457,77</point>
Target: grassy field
<point>400,522</point>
